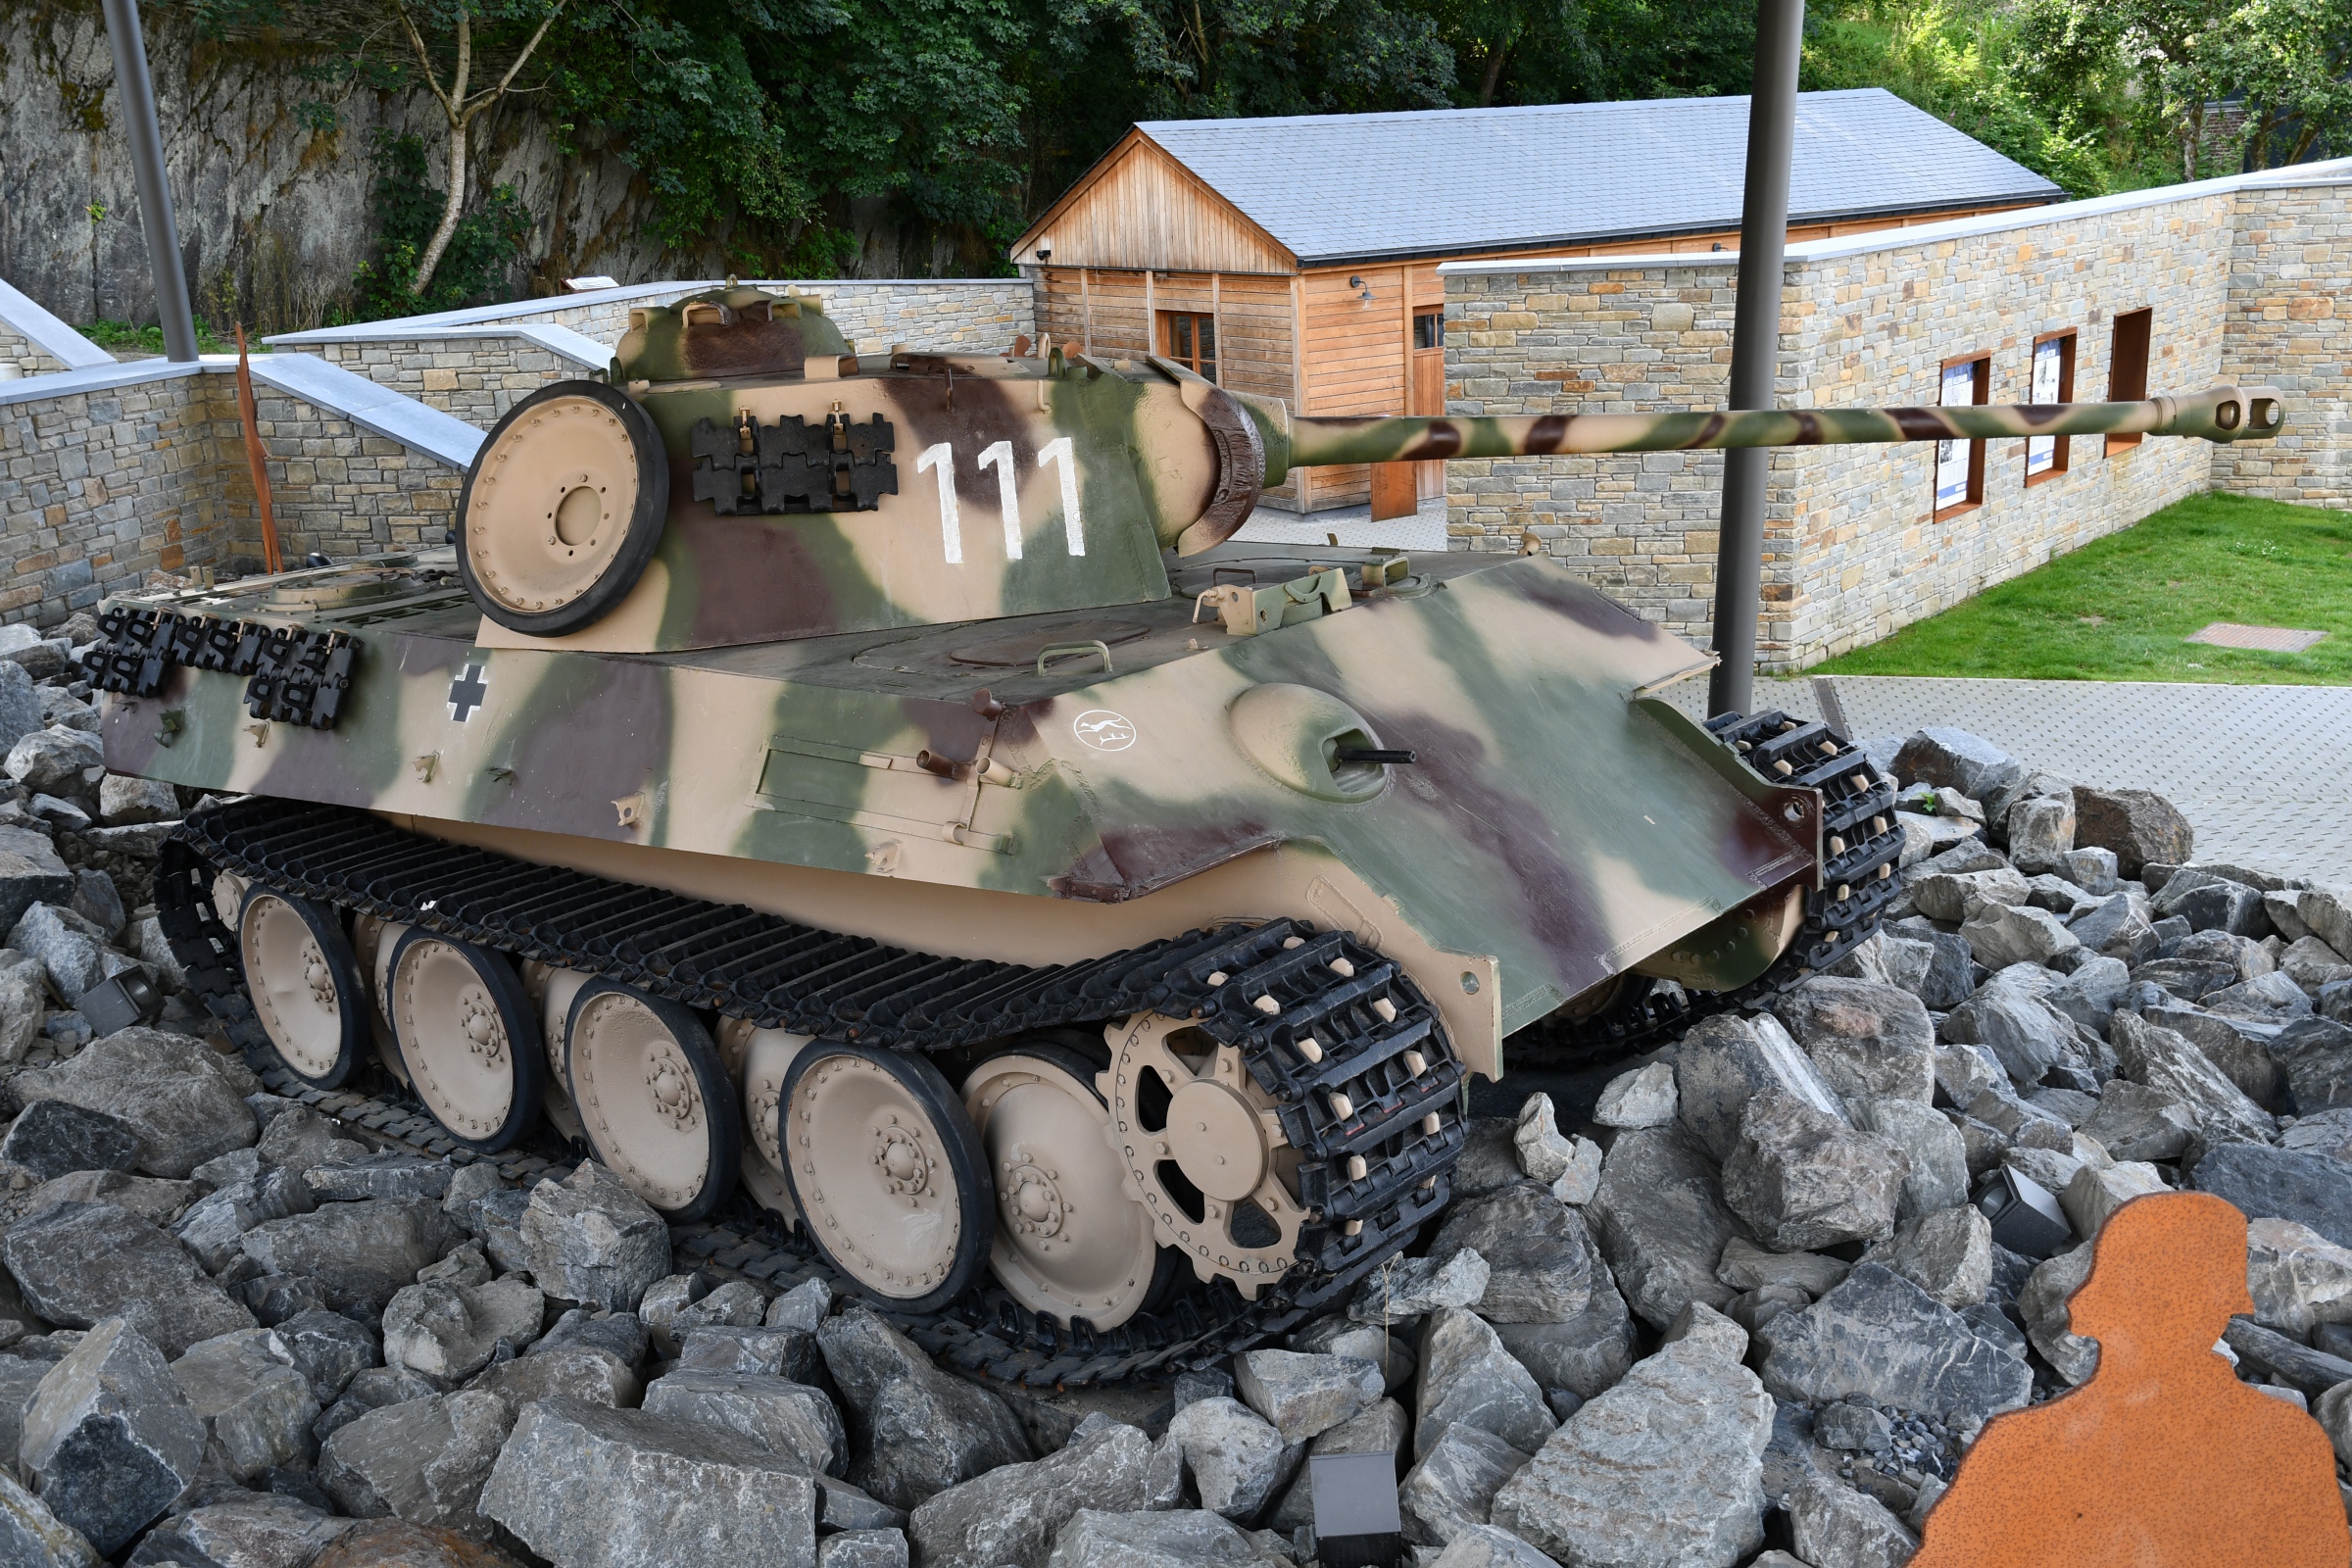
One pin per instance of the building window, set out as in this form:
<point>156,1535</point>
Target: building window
<point>2053,383</point>
<point>2128,366</point>
<point>1190,338</point>
<point>1960,465</point>
<point>1429,330</point>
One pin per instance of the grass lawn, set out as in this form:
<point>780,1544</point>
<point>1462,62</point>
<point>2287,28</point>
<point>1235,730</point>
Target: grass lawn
<point>2118,608</point>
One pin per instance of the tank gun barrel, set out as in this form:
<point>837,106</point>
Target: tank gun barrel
<point>2218,414</point>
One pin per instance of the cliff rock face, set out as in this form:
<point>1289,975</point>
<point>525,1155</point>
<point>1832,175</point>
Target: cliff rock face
<point>273,215</point>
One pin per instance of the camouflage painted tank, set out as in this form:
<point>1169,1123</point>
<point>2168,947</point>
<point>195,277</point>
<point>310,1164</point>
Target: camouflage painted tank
<point>876,780</point>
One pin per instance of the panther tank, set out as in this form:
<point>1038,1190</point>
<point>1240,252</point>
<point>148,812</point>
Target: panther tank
<point>878,786</point>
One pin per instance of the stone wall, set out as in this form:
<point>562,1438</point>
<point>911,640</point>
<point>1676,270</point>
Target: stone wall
<point>99,488</point>
<point>478,379</point>
<point>18,350</point>
<point>337,488</point>
<point>2242,277</point>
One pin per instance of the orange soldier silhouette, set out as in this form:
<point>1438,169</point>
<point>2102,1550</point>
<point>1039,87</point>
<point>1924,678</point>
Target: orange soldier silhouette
<point>2163,1460</point>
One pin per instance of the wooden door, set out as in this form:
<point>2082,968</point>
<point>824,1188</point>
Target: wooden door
<point>1428,397</point>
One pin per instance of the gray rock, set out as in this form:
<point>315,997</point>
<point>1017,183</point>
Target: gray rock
<point>257,1403</point>
<point>864,1548</point>
<point>109,1440</point>
<point>251,1529</point>
<point>1453,1485</point>
<point>1664,1469</point>
<point>31,873</point>
<point>1868,1042</point>
<point>1855,1428</point>
<point>1339,1334</point>
<point>24,1005</point>
<point>96,900</point>
<point>328,1349</point>
<point>2122,927</point>
<point>1235,1458</point>
<point>2266,1183</point>
<point>2095,1192</point>
<point>2298,1278</point>
<point>1947,1253</point>
<point>2316,1055</point>
<point>215,1226</point>
<point>1489,1157</point>
<point>1485,1546</point>
<point>1958,896</point>
<point>158,1202</point>
<point>2313,965</point>
<point>1834,1526</point>
<point>1881,1335</point>
<point>2089,995</point>
<point>423,1461</point>
<point>1745,1266</point>
<point>80,1264</point>
<point>1584,1354</point>
<point>1661,1220</point>
<point>186,1100</point>
<point>31,1536</point>
<point>1304,1396</point>
<point>2043,1303</point>
<point>773,1353</point>
<point>2041,832</point>
<point>2024,935</point>
<point>2163,1060</point>
<point>2327,1133</point>
<point>1802,1179</point>
<point>54,1138</point>
<point>1724,1063</point>
<point>1013,1515</point>
<point>1403,1287</point>
<point>2139,826</point>
<point>592,1487</point>
<point>803,1307</point>
<point>387,1174</point>
<point>21,705</point>
<point>619,1335</point>
<point>2213,904</point>
<point>373,1389</point>
<point>1538,1252</point>
<point>1938,1156</point>
<point>47,758</point>
<point>917,1430</point>
<point>360,1254</point>
<point>447,1330</point>
<point>1543,1152</point>
<point>2290,1363</point>
<point>298,1139</point>
<point>1643,1097</point>
<point>777,1416</point>
<point>1947,757</point>
<point>123,798</point>
<point>1468,1377</point>
<point>589,1239</point>
<point>2094,870</point>
<point>2015,1022</point>
<point>18,1378</point>
<point>1186,1538</point>
<point>2136,1122</point>
<point>574,1372</point>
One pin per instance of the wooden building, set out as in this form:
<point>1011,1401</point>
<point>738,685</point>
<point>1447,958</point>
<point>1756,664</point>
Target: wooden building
<point>1298,257</point>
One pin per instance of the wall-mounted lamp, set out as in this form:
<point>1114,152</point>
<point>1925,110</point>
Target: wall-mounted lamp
<point>1362,288</point>
<point>1045,249</point>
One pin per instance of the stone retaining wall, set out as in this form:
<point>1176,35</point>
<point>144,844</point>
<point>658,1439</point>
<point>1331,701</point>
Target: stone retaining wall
<point>2242,277</point>
<point>18,350</point>
<point>477,379</point>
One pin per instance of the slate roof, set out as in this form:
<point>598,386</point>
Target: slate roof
<point>1336,188</point>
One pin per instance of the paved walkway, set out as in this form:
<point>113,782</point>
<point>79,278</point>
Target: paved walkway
<point>2264,774</point>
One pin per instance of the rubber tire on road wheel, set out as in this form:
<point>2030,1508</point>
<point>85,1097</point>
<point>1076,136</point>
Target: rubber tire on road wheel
<point>688,1169</point>
<point>429,976</point>
<point>844,1188</point>
<point>320,1040</point>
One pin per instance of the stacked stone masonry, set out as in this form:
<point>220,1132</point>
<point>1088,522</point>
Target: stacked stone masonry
<point>2242,276</point>
<point>19,351</point>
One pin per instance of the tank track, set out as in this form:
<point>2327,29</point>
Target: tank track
<point>777,973</point>
<point>1857,884</point>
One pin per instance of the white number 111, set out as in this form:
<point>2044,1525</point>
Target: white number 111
<point>941,460</point>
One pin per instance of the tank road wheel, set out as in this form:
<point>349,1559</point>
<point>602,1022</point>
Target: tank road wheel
<point>756,1059</point>
<point>652,1098</point>
<point>888,1172</point>
<point>1070,1238</point>
<point>551,990</point>
<point>305,985</point>
<point>467,1035</point>
<point>1204,1148</point>
<point>562,507</point>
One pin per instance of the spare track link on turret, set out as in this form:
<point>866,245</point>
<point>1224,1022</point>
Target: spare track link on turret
<point>777,974</point>
<point>1857,884</point>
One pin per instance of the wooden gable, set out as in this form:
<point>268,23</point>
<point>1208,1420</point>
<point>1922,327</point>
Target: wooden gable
<point>1140,208</point>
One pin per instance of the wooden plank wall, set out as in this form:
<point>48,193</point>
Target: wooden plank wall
<point>1145,210</point>
<point>1358,356</point>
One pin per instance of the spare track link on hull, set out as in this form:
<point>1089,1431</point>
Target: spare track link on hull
<point>779,974</point>
<point>1857,883</point>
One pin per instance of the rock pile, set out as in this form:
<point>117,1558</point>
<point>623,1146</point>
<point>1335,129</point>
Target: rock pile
<point>1756,1312</point>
